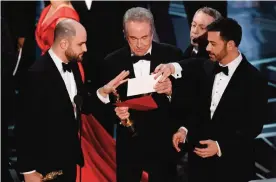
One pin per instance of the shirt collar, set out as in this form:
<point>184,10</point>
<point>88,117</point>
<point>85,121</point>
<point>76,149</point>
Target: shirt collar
<point>195,50</point>
<point>149,51</point>
<point>58,62</point>
<point>232,66</point>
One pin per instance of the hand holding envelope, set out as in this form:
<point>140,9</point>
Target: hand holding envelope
<point>138,86</point>
<point>148,84</point>
<point>143,85</point>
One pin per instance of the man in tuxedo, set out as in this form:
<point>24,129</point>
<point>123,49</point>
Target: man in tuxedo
<point>48,132</point>
<point>202,18</point>
<point>230,109</point>
<point>151,149</point>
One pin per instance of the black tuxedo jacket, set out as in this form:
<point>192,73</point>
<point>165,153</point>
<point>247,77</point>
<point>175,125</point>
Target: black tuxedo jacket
<point>238,119</point>
<point>152,126</point>
<point>47,133</point>
<point>202,53</point>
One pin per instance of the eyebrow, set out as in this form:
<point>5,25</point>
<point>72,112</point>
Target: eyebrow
<point>201,25</point>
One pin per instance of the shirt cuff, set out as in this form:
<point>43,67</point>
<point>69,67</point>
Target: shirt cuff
<point>170,98</point>
<point>103,99</point>
<point>185,129</point>
<point>219,151</point>
<point>29,172</point>
<point>177,72</point>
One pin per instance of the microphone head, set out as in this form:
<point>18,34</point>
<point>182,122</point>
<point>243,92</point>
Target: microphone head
<point>78,100</point>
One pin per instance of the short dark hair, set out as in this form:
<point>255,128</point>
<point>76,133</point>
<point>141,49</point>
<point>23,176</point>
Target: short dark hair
<point>210,11</point>
<point>229,29</point>
<point>63,29</point>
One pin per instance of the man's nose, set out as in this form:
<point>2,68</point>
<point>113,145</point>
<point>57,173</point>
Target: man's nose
<point>84,48</point>
<point>208,48</point>
<point>139,44</point>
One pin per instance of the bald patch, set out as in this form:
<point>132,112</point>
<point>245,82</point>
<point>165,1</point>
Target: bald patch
<point>65,29</point>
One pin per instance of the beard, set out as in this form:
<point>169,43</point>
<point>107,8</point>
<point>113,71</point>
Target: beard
<point>72,56</point>
<point>218,57</point>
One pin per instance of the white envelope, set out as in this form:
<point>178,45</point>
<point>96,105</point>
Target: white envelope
<point>141,85</point>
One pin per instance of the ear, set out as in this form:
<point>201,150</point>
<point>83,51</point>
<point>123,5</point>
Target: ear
<point>64,44</point>
<point>231,45</point>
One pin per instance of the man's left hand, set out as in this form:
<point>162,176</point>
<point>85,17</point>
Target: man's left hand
<point>164,87</point>
<point>211,150</point>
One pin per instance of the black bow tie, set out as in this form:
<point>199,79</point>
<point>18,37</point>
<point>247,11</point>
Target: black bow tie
<point>194,53</point>
<point>135,59</point>
<point>67,67</point>
<point>219,69</point>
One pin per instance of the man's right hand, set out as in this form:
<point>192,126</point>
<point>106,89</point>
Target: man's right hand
<point>113,84</point>
<point>122,112</point>
<point>178,137</point>
<point>165,70</point>
<point>33,177</point>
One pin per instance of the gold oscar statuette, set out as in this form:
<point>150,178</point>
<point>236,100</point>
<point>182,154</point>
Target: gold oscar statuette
<point>128,123</point>
<point>52,175</point>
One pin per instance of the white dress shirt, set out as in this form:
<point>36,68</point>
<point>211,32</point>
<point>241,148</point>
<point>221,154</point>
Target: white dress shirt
<point>68,77</point>
<point>220,83</point>
<point>88,4</point>
<point>69,81</point>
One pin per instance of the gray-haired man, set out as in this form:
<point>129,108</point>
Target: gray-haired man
<point>151,150</point>
<point>202,18</point>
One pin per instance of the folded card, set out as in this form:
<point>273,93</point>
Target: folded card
<point>141,85</point>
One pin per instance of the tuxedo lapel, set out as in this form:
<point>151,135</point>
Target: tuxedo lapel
<point>77,77</point>
<point>57,81</point>
<point>128,64</point>
<point>209,79</point>
<point>230,93</point>
<point>155,59</point>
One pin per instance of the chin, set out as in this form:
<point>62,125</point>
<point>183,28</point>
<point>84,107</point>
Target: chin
<point>140,53</point>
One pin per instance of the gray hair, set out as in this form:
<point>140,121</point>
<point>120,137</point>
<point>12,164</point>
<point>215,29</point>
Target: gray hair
<point>65,29</point>
<point>211,12</point>
<point>139,14</point>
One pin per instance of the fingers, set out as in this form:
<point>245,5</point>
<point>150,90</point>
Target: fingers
<point>205,142</point>
<point>120,82</point>
<point>166,74</point>
<point>119,78</point>
<point>157,69</point>
<point>177,138</point>
<point>157,75</point>
<point>122,112</point>
<point>121,109</point>
<point>163,87</point>
<point>123,116</point>
<point>202,152</point>
<point>176,141</point>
